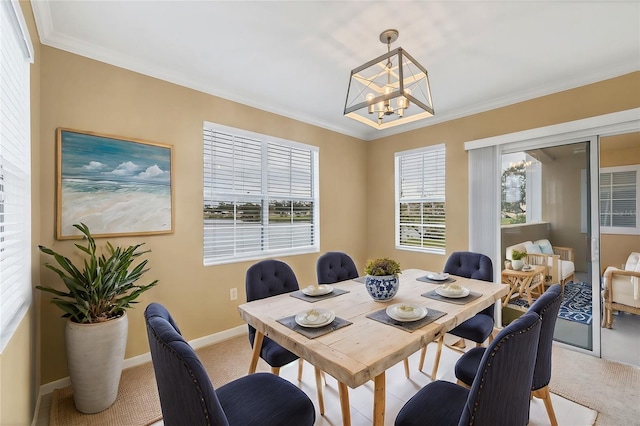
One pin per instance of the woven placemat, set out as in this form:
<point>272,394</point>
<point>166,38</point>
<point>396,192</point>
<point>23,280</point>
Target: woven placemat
<point>360,279</point>
<point>132,407</point>
<point>410,326</point>
<point>312,333</point>
<point>300,295</point>
<point>457,300</point>
<point>429,280</point>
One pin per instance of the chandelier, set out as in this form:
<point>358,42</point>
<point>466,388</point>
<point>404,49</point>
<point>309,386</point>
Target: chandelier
<point>390,90</point>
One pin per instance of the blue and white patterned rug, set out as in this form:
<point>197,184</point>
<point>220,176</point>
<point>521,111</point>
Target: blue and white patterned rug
<point>575,306</point>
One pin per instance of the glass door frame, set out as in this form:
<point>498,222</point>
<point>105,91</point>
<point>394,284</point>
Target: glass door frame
<point>585,130</point>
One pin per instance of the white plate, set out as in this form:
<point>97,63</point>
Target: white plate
<point>438,277</point>
<point>315,318</point>
<point>321,290</point>
<point>406,312</point>
<point>454,295</point>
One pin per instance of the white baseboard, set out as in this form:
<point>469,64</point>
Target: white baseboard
<point>146,357</point>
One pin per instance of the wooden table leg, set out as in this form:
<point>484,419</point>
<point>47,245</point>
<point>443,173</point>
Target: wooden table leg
<point>257,347</point>
<point>319,391</point>
<point>379,400</point>
<point>344,404</point>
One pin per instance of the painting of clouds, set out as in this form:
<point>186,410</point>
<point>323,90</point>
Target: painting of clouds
<point>114,186</point>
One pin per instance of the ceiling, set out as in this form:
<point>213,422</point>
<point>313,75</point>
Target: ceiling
<point>294,58</point>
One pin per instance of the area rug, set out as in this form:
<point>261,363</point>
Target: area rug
<point>138,403</point>
<point>575,305</point>
<point>611,388</point>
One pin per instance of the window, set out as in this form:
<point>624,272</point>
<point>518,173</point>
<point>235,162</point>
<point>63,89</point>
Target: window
<point>15,179</point>
<point>521,189</point>
<point>260,196</point>
<point>619,201</point>
<point>420,199</point>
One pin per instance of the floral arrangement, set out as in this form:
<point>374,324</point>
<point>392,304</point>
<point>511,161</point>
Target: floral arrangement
<point>382,267</point>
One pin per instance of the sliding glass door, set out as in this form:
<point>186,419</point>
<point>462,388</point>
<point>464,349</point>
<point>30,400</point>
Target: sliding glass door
<point>547,200</point>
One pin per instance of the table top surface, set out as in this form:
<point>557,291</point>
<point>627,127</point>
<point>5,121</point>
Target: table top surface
<point>535,269</point>
<point>359,352</point>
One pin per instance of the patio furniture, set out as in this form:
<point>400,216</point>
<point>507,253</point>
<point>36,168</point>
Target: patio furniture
<point>621,289</point>
<point>557,260</point>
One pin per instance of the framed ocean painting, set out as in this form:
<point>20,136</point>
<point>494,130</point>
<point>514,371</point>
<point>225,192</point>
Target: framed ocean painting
<point>115,186</point>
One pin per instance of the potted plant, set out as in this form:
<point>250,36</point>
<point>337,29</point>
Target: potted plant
<point>382,278</point>
<point>95,304</point>
<point>517,259</point>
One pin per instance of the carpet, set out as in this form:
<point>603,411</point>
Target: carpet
<point>575,305</point>
<point>610,388</point>
<point>138,403</point>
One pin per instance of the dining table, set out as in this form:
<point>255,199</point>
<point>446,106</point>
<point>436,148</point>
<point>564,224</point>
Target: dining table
<point>363,341</point>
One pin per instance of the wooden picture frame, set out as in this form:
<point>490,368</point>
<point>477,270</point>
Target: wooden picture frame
<point>116,186</point>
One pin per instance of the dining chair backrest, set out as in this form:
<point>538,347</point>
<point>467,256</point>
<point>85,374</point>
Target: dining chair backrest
<point>471,265</point>
<point>500,392</point>
<point>547,306</point>
<point>269,278</point>
<point>187,396</point>
<point>335,266</point>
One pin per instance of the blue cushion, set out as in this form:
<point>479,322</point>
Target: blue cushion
<point>477,328</point>
<point>258,399</point>
<point>439,403</point>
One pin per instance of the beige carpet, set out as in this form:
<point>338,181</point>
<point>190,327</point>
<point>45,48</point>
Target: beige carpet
<point>610,388</point>
<point>138,403</point>
<point>598,384</point>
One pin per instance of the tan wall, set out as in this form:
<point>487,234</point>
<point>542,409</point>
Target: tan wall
<point>620,150</point>
<point>587,101</point>
<point>84,94</point>
<point>19,362</point>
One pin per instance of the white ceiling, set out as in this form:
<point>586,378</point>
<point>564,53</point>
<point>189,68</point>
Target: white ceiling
<point>293,58</point>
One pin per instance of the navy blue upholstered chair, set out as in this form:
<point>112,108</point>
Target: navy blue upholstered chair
<point>547,306</point>
<point>335,266</point>
<point>187,396</point>
<point>500,392</point>
<point>479,327</point>
<point>270,278</point>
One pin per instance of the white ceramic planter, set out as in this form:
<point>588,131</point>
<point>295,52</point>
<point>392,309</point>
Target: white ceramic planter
<point>517,264</point>
<point>95,354</point>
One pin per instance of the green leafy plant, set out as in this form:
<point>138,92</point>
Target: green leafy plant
<point>381,267</point>
<point>518,255</point>
<point>104,288</point>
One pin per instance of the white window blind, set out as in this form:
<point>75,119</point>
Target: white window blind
<point>15,180</point>
<point>619,200</point>
<point>420,199</point>
<point>260,196</point>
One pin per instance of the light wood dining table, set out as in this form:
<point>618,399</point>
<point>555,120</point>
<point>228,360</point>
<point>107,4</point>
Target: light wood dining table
<point>365,349</point>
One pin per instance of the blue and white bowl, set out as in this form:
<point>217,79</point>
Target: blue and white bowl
<point>382,288</point>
